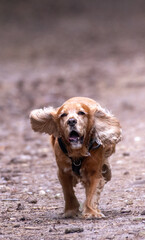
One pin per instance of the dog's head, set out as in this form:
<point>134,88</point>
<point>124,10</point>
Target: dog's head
<point>75,121</point>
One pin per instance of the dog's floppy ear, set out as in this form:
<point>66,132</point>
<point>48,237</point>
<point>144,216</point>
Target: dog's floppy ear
<point>108,129</point>
<point>44,121</point>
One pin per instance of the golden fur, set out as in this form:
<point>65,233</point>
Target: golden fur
<point>78,121</point>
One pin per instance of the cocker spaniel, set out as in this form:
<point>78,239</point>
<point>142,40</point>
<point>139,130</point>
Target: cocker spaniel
<point>83,136</point>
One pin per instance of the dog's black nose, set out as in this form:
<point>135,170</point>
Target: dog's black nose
<point>71,122</point>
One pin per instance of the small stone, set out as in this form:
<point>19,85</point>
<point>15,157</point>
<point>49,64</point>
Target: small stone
<point>119,162</point>
<point>73,230</point>
<point>126,173</point>
<point>20,207</point>
<point>30,193</point>
<point>48,190</point>
<point>125,211</point>
<point>43,155</point>
<point>32,200</point>
<point>25,157</point>
<point>43,150</point>
<point>126,154</point>
<point>32,228</point>
<point>57,196</point>
<point>13,219</point>
<point>42,192</point>
<point>22,219</point>
<point>129,202</point>
<point>16,225</point>
<point>137,139</point>
<point>129,190</point>
<point>143,213</point>
<point>10,209</point>
<point>25,183</point>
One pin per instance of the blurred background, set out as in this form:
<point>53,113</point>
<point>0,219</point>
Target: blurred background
<point>52,50</point>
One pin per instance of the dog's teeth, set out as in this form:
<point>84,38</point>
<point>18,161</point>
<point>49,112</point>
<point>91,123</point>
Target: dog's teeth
<point>74,139</point>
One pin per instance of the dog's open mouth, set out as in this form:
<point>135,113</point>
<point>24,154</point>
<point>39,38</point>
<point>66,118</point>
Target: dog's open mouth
<point>75,138</point>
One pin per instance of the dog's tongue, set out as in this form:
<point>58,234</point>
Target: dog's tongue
<point>74,137</point>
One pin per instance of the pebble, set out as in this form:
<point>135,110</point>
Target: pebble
<point>25,157</point>
<point>129,190</point>
<point>42,192</point>
<point>143,213</point>
<point>57,196</point>
<point>125,211</point>
<point>126,154</point>
<point>137,139</point>
<point>10,209</point>
<point>48,190</point>
<point>32,228</point>
<point>119,162</point>
<point>32,200</point>
<point>13,219</point>
<point>30,193</point>
<point>73,230</point>
<point>43,150</point>
<point>25,183</point>
<point>129,202</point>
<point>16,225</point>
<point>43,155</point>
<point>20,207</point>
<point>22,218</point>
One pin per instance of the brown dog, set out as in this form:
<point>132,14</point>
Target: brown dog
<point>83,136</point>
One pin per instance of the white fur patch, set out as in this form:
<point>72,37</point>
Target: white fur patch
<point>67,169</point>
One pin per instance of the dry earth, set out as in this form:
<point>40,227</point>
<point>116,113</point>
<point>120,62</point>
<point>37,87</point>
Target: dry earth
<point>99,55</point>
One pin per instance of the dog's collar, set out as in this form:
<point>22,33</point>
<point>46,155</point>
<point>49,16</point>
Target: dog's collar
<point>77,163</point>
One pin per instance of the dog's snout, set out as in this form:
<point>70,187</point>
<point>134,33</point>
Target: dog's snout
<point>71,122</point>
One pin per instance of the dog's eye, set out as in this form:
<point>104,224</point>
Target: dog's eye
<point>81,113</point>
<point>63,115</point>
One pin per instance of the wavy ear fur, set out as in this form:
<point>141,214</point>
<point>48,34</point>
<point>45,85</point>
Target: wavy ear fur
<point>43,121</point>
<point>107,127</point>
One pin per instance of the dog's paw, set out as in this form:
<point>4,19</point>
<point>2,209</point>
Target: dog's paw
<point>71,213</point>
<point>93,214</point>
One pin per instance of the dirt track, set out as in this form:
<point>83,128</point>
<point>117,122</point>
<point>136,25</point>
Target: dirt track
<point>41,64</point>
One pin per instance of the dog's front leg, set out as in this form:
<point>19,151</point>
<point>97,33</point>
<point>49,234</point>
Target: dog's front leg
<point>71,202</point>
<point>92,187</point>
